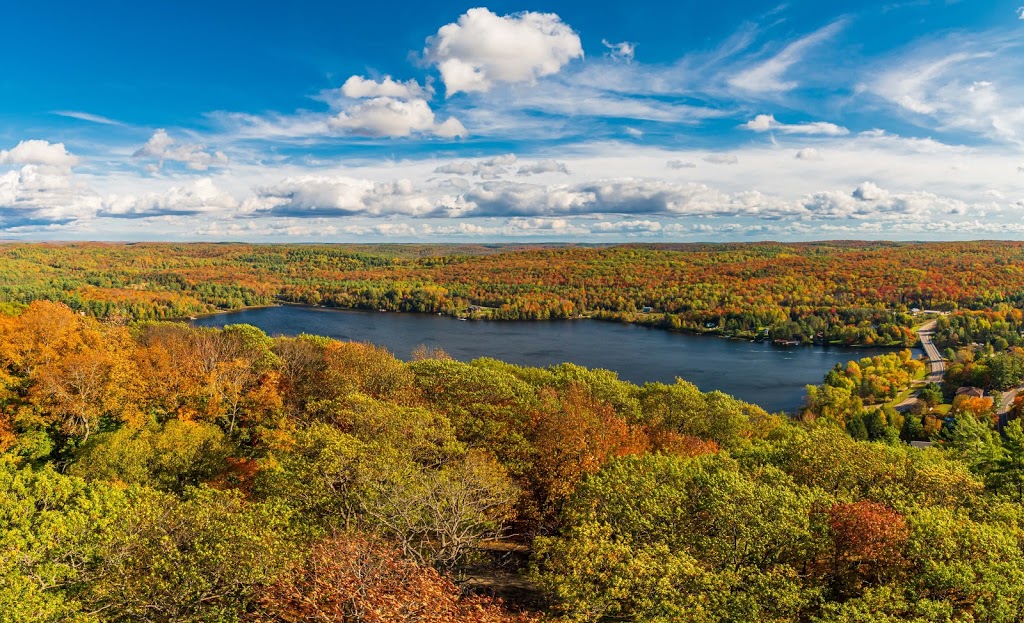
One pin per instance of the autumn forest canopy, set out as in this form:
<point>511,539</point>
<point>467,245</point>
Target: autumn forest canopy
<point>841,292</point>
<point>153,471</point>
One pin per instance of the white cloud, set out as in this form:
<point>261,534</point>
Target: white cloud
<point>633,196</point>
<point>680,164</point>
<point>41,153</point>
<point>543,226</point>
<point>482,49</point>
<point>272,127</point>
<point>765,123</point>
<point>43,194</point>
<point>638,226</point>
<point>357,87</point>
<point>868,191</point>
<point>622,51</point>
<point>450,128</point>
<point>765,193</point>
<point>198,197</point>
<point>391,117</point>
<point>912,87</point>
<point>544,166</point>
<point>85,116</point>
<point>156,146</point>
<point>869,201</point>
<point>488,169</point>
<point>323,196</point>
<point>1020,13</point>
<point>957,84</point>
<point>518,199</point>
<point>457,168</point>
<point>721,159</point>
<point>808,153</point>
<point>770,76</point>
<point>161,147</point>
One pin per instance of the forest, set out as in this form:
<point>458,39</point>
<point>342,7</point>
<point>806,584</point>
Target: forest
<point>151,471</point>
<point>826,292</point>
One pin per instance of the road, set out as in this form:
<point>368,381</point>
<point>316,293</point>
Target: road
<point>1005,404</point>
<point>936,366</point>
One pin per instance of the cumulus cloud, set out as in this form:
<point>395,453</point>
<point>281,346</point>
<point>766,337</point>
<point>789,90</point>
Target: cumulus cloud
<point>519,199</point>
<point>868,191</point>
<point>162,148</point>
<point>544,166</point>
<point>37,152</point>
<point>721,159</point>
<point>488,169</point>
<point>637,196</point>
<point>542,226</point>
<point>764,123</point>
<point>628,196</point>
<point>869,201</point>
<point>1020,13</point>
<point>483,48</point>
<point>43,194</point>
<point>622,51</point>
<point>392,117</point>
<point>450,128</point>
<point>680,164</point>
<point>457,168</point>
<point>198,197</point>
<point>390,108</point>
<point>321,196</point>
<point>357,87</point>
<point>808,153</point>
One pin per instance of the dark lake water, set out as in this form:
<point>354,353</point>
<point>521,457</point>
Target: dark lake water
<point>771,376</point>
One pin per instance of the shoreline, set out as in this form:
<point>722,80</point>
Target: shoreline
<point>653,327</point>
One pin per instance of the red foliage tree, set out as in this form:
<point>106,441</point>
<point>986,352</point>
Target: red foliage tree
<point>868,540</point>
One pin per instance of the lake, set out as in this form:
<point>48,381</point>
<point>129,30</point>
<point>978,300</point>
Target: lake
<point>768,375</point>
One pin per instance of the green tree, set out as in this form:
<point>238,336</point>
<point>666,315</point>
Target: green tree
<point>974,442</point>
<point>1008,473</point>
<point>659,538</point>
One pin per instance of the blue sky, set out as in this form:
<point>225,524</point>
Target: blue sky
<point>658,121</point>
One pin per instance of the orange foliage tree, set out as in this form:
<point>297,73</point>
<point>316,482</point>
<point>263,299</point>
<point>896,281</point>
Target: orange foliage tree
<point>355,578</point>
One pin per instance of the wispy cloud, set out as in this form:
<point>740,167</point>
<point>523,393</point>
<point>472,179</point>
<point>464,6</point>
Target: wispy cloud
<point>765,123</point>
<point>85,116</point>
<point>770,76</point>
<point>957,83</point>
